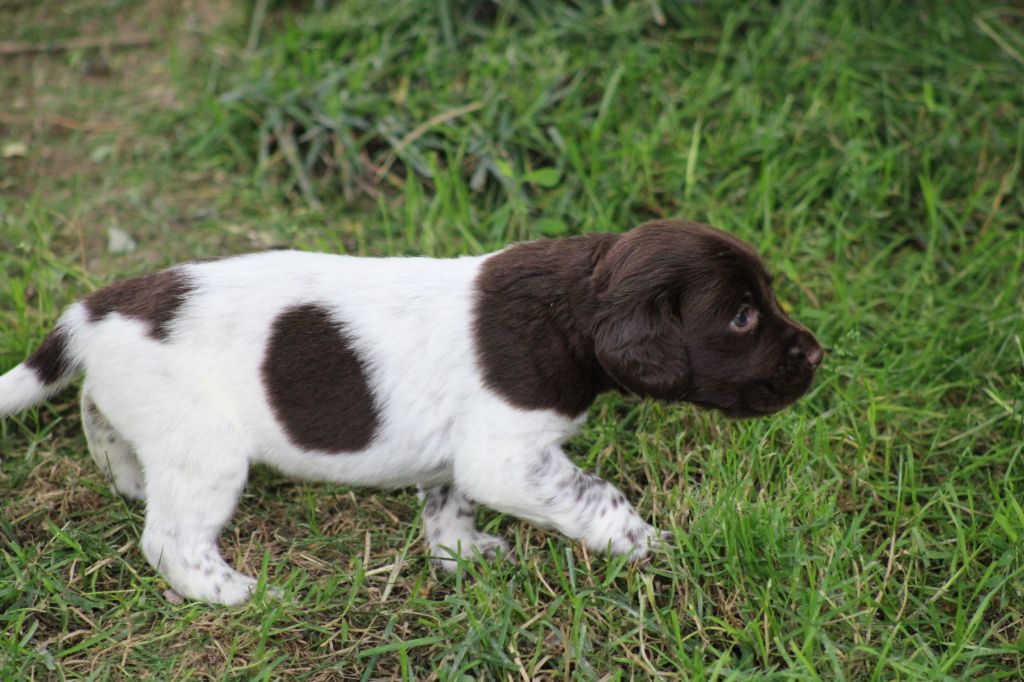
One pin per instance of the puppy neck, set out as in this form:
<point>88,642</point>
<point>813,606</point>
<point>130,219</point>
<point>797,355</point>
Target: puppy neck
<point>533,321</point>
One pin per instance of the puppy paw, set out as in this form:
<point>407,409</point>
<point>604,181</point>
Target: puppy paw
<point>234,590</point>
<point>491,547</point>
<point>644,539</point>
<point>633,538</point>
<point>444,556</point>
<point>129,487</point>
<point>226,587</point>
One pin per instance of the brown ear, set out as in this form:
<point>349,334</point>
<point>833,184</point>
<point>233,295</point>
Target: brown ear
<point>640,348</point>
<point>638,334</point>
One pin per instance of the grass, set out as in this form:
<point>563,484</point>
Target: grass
<point>874,531</point>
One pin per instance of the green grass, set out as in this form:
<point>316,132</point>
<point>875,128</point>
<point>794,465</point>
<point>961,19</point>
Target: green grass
<point>873,531</point>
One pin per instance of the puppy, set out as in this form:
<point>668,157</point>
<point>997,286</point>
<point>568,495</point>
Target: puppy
<point>461,376</point>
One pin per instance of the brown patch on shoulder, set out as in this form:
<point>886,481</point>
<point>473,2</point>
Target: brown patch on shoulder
<point>154,298</point>
<point>532,323</point>
<point>317,384</point>
<point>50,361</point>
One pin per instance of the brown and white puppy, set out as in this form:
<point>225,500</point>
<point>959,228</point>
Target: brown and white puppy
<point>462,376</point>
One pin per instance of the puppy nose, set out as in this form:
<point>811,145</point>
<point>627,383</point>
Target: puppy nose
<point>808,347</point>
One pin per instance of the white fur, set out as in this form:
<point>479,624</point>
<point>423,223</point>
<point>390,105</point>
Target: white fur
<point>179,421</point>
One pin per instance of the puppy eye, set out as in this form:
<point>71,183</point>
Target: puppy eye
<point>745,319</point>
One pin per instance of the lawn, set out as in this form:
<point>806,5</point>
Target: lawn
<point>873,153</point>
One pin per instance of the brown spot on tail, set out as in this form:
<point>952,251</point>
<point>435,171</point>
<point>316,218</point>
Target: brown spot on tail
<point>154,299</point>
<point>50,361</point>
<point>317,383</point>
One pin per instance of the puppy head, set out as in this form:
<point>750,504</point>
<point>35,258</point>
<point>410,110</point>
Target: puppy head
<point>687,312</point>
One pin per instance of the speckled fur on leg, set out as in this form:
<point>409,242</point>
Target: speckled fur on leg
<point>548,490</point>
<point>191,494</point>
<point>183,520</point>
<point>448,522</point>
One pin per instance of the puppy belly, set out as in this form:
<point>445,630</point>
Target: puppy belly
<point>387,464</point>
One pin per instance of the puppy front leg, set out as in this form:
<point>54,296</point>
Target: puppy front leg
<point>448,522</point>
<point>548,490</point>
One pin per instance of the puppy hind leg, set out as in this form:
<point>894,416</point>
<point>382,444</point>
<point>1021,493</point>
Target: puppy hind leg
<point>189,500</point>
<point>112,453</point>
<point>448,522</point>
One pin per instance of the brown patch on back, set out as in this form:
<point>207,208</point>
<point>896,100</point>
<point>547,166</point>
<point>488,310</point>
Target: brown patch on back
<point>50,361</point>
<point>154,298</point>
<point>317,384</point>
<point>533,318</point>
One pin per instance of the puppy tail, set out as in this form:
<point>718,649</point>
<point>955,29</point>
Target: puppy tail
<point>49,369</point>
